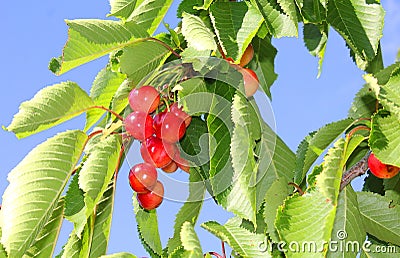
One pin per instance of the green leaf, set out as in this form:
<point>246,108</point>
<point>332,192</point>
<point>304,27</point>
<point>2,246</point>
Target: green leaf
<point>149,14</point>
<point>75,201</point>
<point>315,39</point>
<point>314,145</point>
<point>96,174</point>
<point>380,218</point>
<point>102,224</point>
<point>348,226</point>
<point>122,8</point>
<point>188,6</point>
<point>190,210</point>
<point>328,181</point>
<point>308,221</point>
<point>364,103</point>
<point>77,247</point>
<point>385,138</point>
<point>241,240</point>
<point>49,107</point>
<point>275,164</point>
<point>279,23</point>
<point>359,22</point>
<point>46,240</point>
<point>103,89</point>
<point>241,199</point>
<point>264,62</point>
<point>147,226</point>
<point>190,241</point>
<point>235,24</point>
<point>142,58</point>
<point>119,255</point>
<point>313,11</point>
<point>389,94</point>
<point>197,34</point>
<point>36,184</point>
<point>90,39</point>
<point>120,99</point>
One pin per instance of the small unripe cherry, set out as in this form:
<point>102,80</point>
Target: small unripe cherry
<point>247,56</point>
<point>170,168</point>
<point>145,99</point>
<point>152,199</point>
<point>250,80</point>
<point>139,124</point>
<point>157,152</point>
<point>381,170</point>
<point>142,177</point>
<point>174,108</point>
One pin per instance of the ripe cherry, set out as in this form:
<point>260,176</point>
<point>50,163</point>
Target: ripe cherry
<point>181,162</point>
<point>250,80</point>
<point>170,168</point>
<point>247,56</point>
<point>142,177</point>
<point>158,119</point>
<point>171,129</point>
<point>174,108</point>
<point>381,170</point>
<point>139,124</point>
<point>145,99</point>
<point>152,199</point>
<point>157,152</point>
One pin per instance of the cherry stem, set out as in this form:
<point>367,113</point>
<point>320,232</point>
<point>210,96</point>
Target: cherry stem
<point>357,170</point>
<point>165,45</point>
<point>298,188</point>
<point>223,248</point>
<point>110,111</point>
<point>121,153</point>
<point>358,128</point>
<point>215,254</point>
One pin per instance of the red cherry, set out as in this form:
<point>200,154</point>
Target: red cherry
<point>174,108</point>
<point>158,119</point>
<point>157,152</point>
<point>152,199</point>
<point>172,128</point>
<point>139,124</point>
<point>247,56</point>
<point>170,168</point>
<point>181,162</point>
<point>142,177</point>
<point>381,170</point>
<point>250,81</point>
<point>145,99</point>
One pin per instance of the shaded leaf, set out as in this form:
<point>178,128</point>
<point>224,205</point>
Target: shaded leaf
<point>190,241</point>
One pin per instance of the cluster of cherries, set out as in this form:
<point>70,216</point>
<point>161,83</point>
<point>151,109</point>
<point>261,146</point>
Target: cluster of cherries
<point>158,134</point>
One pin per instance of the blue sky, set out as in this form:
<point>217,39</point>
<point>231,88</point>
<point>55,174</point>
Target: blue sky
<point>34,32</point>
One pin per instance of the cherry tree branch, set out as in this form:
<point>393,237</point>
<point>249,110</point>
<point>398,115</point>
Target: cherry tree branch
<point>355,171</point>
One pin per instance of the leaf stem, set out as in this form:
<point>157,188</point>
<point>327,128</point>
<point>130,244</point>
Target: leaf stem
<point>223,249</point>
<point>298,188</point>
<point>358,128</point>
<point>165,45</point>
<point>357,170</point>
<point>110,111</point>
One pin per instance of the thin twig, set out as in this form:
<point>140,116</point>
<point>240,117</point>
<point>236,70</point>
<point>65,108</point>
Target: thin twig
<point>298,188</point>
<point>223,249</point>
<point>165,45</point>
<point>357,170</point>
<point>111,111</point>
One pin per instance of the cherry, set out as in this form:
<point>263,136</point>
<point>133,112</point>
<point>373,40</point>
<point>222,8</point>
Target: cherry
<point>174,108</point>
<point>139,124</point>
<point>170,168</point>
<point>158,119</point>
<point>142,177</point>
<point>157,152</point>
<point>181,162</point>
<point>171,129</point>
<point>247,56</point>
<point>381,170</point>
<point>250,81</point>
<point>145,99</point>
<point>152,199</point>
